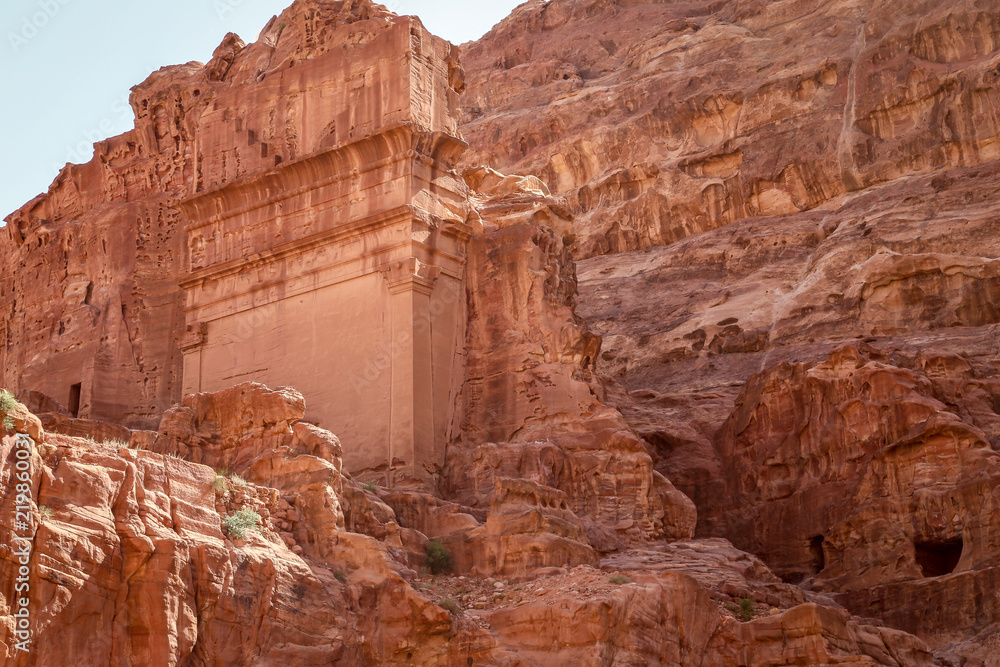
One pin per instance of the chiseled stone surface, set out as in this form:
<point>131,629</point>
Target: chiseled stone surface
<point>286,213</point>
<point>780,337</point>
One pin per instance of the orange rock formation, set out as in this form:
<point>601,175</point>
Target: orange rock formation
<point>714,383</point>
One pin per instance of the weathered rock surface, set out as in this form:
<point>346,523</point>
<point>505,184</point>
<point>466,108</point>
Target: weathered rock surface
<point>532,404</point>
<point>905,268</point>
<point>661,120</point>
<point>131,564</point>
<point>856,473</point>
<point>755,185</point>
<point>786,317</point>
<point>267,213</point>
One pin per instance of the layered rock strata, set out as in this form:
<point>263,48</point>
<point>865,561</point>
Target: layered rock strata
<point>755,185</point>
<point>662,120</point>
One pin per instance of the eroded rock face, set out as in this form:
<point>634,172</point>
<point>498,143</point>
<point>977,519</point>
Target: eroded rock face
<point>755,185</point>
<point>286,213</point>
<point>856,473</point>
<point>745,217</point>
<point>532,404</point>
<point>662,120</point>
<point>907,269</point>
<point>528,527</point>
<point>132,565</point>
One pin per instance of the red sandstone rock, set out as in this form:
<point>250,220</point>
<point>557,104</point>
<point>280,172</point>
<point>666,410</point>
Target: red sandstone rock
<point>132,561</point>
<point>160,268</point>
<point>662,120</point>
<point>815,176</point>
<point>530,392</point>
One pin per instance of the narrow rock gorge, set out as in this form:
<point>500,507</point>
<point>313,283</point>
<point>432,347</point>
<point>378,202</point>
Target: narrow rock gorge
<point>634,333</point>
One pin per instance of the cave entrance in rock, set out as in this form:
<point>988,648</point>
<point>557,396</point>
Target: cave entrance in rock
<point>74,399</point>
<point>937,558</point>
<point>817,557</point>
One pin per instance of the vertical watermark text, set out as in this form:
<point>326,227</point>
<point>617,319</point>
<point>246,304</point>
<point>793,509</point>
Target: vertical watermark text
<point>24,535</point>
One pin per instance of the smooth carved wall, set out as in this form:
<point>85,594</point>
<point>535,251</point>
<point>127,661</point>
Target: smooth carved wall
<point>340,273</point>
<point>347,283</point>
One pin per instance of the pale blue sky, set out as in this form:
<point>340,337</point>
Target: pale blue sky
<point>66,66</point>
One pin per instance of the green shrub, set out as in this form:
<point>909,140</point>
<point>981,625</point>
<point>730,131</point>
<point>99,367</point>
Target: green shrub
<point>7,400</point>
<point>369,486</point>
<point>239,522</point>
<point>438,558</point>
<point>7,404</point>
<point>450,605</point>
<point>745,611</point>
<point>340,576</point>
<point>619,579</point>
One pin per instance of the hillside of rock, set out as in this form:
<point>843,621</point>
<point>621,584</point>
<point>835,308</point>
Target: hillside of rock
<point>134,562</point>
<point>718,381</point>
<point>784,216</point>
<point>658,120</point>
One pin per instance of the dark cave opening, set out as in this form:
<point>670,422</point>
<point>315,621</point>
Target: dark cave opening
<point>937,558</point>
<point>74,399</point>
<point>818,558</point>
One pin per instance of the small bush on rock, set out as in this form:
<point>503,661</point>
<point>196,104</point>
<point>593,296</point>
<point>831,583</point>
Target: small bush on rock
<point>7,404</point>
<point>745,611</point>
<point>450,605</point>
<point>438,558</point>
<point>239,522</point>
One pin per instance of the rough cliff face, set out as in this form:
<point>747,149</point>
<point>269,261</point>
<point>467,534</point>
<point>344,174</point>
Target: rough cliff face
<point>532,403</point>
<point>193,231</point>
<point>785,216</point>
<point>716,381</point>
<point>661,120</point>
<point>132,563</point>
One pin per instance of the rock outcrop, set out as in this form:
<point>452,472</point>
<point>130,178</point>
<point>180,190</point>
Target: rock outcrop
<point>662,120</point>
<point>755,185</point>
<point>532,404</point>
<point>131,564</point>
<point>857,474</point>
<point>133,561</point>
<point>715,382</point>
<point>284,213</point>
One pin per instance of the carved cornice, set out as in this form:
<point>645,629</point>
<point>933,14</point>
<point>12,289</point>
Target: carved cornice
<point>411,274</point>
<point>403,142</point>
<point>460,231</point>
<point>194,337</point>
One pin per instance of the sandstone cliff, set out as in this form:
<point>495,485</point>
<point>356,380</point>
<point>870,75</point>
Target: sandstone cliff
<point>133,563</point>
<point>717,385</point>
<point>754,186</point>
